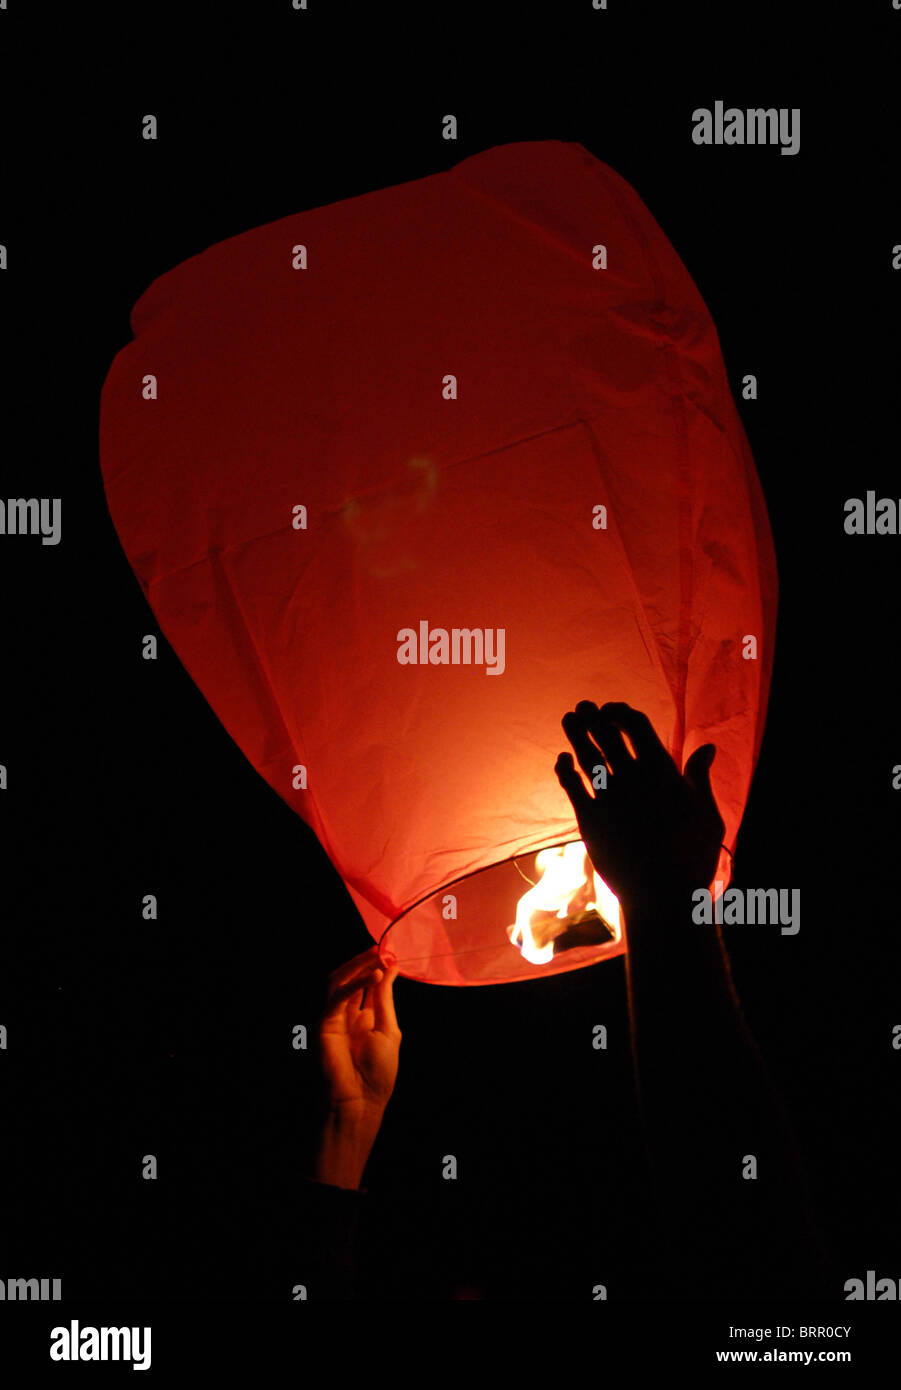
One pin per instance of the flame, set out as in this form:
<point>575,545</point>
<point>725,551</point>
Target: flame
<point>568,888</point>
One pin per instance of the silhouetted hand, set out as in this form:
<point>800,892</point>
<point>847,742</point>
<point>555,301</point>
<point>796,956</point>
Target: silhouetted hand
<point>359,1045</point>
<point>651,829</point>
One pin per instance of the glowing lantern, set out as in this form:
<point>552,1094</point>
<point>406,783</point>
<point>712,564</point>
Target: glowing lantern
<point>403,479</point>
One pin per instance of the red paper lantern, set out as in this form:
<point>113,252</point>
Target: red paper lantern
<point>482,414</point>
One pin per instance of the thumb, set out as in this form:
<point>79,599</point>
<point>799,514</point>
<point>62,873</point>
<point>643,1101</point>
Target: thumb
<point>383,1003</point>
<point>697,770</point>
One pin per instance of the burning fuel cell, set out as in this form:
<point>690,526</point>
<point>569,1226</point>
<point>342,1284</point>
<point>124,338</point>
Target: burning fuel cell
<point>569,906</point>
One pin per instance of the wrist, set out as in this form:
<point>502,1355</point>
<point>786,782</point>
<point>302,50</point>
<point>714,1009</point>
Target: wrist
<point>659,902</point>
<point>660,927</point>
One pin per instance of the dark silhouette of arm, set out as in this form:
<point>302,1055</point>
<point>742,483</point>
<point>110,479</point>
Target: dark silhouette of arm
<point>707,1103</point>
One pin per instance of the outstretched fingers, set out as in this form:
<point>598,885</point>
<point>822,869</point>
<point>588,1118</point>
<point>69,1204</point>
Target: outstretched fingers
<point>612,744</point>
<point>636,725</point>
<point>567,775</point>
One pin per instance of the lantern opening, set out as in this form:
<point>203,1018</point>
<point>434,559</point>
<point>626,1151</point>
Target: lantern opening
<point>484,929</point>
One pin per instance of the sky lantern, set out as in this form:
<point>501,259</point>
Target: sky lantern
<point>405,477</point>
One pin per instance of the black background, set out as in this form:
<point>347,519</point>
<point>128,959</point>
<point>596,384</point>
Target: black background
<point>174,1037</point>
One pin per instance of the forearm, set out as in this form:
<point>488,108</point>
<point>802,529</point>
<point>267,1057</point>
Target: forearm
<point>342,1146</point>
<point>707,1102</point>
<point>680,988</point>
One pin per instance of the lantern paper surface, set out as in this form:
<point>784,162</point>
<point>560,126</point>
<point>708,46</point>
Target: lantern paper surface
<point>435,505</point>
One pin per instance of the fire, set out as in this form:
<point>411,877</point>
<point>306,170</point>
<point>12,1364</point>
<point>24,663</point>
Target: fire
<point>569,906</point>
